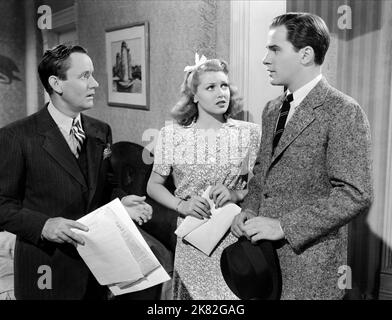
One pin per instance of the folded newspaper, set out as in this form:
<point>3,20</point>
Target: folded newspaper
<point>116,252</point>
<point>204,234</point>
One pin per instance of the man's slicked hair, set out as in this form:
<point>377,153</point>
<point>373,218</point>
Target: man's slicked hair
<point>55,62</point>
<point>305,29</point>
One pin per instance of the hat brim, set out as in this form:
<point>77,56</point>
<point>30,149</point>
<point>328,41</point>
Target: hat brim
<point>252,271</point>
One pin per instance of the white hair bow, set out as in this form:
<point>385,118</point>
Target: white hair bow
<point>198,62</point>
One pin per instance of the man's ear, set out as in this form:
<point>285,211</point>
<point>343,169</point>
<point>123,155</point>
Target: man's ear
<point>55,83</point>
<point>307,55</point>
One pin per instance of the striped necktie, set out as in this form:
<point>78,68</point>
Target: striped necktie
<point>284,112</point>
<point>79,136</point>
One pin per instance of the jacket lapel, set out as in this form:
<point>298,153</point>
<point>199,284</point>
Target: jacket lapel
<point>302,117</point>
<point>271,124</point>
<point>95,146</point>
<point>56,146</point>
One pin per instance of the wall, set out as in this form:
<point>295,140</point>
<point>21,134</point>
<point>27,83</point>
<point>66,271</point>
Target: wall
<point>12,61</point>
<point>250,22</point>
<point>177,29</point>
<point>57,5</point>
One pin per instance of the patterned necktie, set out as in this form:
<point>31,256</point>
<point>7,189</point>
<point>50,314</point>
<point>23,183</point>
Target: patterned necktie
<point>79,136</point>
<point>284,112</point>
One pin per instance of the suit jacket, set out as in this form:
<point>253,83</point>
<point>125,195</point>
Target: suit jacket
<point>318,179</point>
<point>41,179</point>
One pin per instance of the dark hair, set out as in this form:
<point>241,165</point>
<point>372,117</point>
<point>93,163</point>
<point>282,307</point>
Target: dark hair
<point>55,62</point>
<point>185,111</point>
<point>305,29</point>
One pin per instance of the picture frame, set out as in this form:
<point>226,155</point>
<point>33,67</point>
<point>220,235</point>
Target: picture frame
<point>128,66</point>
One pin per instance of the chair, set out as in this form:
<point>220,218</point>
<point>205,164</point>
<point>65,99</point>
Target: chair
<point>131,174</point>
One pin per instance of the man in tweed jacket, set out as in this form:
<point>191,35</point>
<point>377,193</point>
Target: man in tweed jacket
<point>318,176</point>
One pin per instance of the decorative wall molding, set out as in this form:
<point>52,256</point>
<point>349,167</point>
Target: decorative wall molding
<point>239,49</point>
<point>31,59</point>
<point>62,21</point>
<point>249,26</point>
<point>207,40</point>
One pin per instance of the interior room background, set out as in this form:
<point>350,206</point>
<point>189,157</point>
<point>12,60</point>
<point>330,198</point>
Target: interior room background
<point>358,63</point>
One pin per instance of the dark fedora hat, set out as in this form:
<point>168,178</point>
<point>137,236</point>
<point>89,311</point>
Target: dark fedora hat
<point>252,271</point>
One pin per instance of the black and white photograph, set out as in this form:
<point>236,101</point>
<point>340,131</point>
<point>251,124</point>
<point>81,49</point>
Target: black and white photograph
<point>196,157</point>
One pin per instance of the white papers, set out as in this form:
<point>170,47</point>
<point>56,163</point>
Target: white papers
<point>116,252</point>
<point>205,234</point>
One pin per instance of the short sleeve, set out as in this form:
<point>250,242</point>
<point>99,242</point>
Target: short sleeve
<point>163,152</point>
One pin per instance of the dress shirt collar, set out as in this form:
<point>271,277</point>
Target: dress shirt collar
<point>62,120</point>
<point>300,94</point>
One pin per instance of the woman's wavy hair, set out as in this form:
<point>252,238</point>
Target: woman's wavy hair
<point>185,111</point>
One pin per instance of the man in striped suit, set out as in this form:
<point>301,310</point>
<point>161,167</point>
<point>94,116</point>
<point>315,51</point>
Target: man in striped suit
<point>54,170</point>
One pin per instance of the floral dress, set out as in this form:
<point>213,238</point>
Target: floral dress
<point>199,158</point>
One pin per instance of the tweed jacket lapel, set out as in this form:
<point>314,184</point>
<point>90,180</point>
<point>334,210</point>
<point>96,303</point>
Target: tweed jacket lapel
<point>302,117</point>
<point>271,124</point>
<point>56,146</point>
<point>95,146</point>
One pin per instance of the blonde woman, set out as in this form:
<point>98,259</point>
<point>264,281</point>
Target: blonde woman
<point>206,147</point>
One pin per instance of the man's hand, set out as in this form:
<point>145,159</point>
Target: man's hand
<point>263,228</point>
<point>59,230</point>
<point>238,223</point>
<point>137,209</point>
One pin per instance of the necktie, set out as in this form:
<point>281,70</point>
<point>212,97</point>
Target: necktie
<point>284,112</point>
<point>78,135</point>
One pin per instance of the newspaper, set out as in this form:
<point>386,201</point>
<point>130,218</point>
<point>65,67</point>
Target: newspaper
<point>116,252</point>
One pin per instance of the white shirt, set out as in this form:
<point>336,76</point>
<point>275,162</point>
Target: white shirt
<point>64,123</point>
<point>300,94</point>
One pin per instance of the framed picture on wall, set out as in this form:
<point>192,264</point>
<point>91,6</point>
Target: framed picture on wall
<point>127,64</point>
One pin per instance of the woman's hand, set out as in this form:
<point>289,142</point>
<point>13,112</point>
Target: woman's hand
<point>221,195</point>
<point>196,206</point>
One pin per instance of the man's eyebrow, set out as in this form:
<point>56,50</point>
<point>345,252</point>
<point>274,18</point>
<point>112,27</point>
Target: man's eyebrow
<point>85,72</point>
<point>272,47</point>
